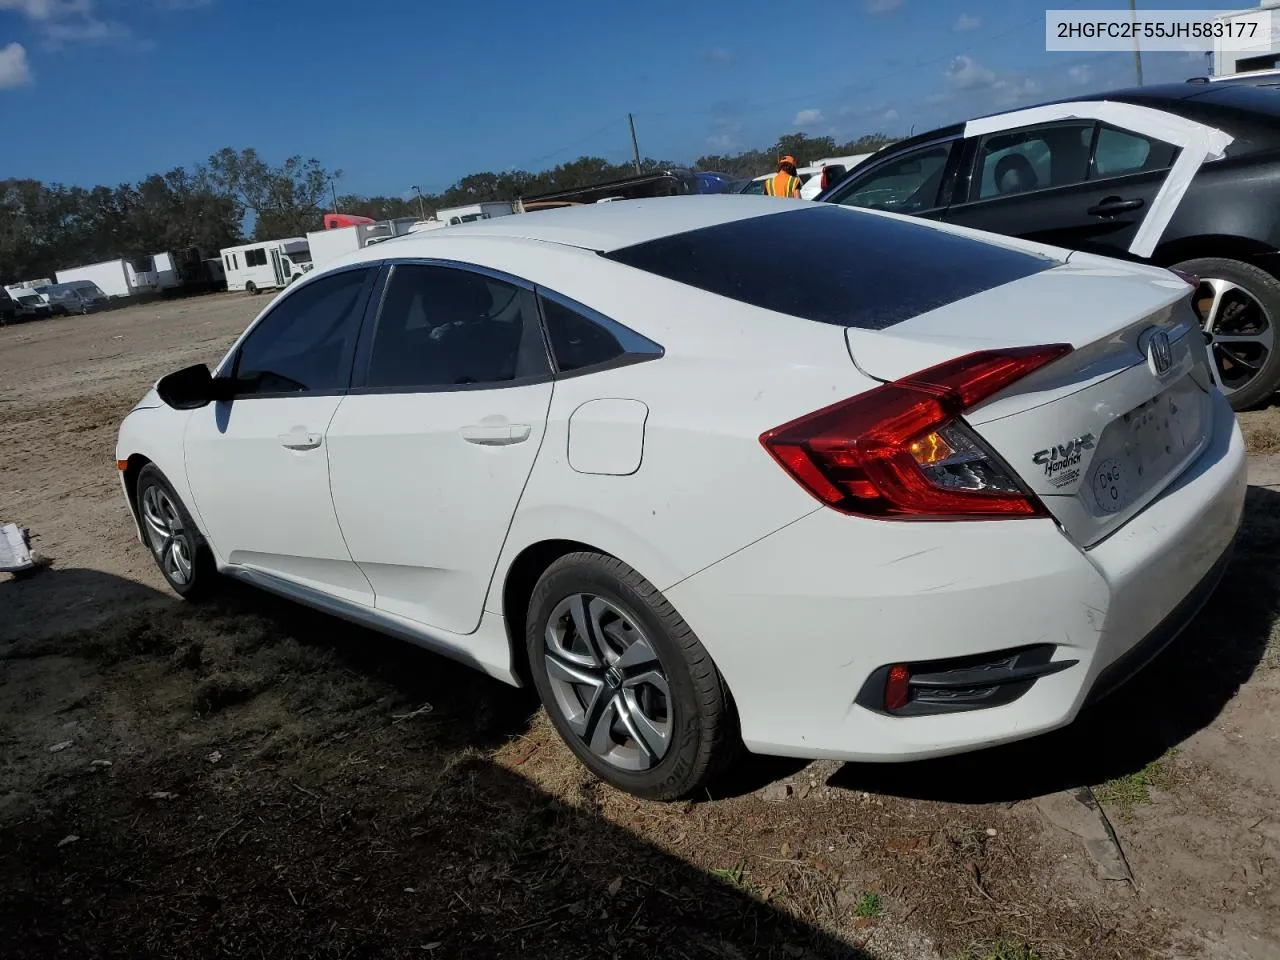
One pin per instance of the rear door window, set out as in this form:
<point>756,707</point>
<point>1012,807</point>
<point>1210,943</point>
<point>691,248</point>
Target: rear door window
<point>1032,158</point>
<point>441,328</point>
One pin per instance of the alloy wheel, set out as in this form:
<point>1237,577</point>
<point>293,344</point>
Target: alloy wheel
<point>167,535</point>
<point>608,682</point>
<point>1241,331</point>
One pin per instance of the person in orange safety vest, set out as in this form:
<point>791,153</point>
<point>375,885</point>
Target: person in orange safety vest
<point>784,183</point>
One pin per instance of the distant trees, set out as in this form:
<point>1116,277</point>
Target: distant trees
<point>47,226</point>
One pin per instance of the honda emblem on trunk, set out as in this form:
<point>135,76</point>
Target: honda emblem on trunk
<point>1159,354</point>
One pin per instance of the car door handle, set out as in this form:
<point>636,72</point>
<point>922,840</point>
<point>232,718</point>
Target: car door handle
<point>300,440</point>
<point>1115,205</point>
<point>496,435</point>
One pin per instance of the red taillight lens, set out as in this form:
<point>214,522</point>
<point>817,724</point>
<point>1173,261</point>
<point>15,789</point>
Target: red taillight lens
<point>900,450</point>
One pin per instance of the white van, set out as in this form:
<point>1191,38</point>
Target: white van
<point>266,264</point>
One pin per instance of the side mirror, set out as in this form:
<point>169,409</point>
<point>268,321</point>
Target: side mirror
<point>189,388</point>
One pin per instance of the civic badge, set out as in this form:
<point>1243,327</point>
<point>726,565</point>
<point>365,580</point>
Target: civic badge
<point>1159,353</point>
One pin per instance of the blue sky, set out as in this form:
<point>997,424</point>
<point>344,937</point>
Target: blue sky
<point>396,92</point>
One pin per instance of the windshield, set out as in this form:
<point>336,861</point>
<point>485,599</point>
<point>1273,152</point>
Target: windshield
<point>30,299</point>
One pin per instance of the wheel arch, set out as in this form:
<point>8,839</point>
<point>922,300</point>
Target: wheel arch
<point>517,587</point>
<point>1221,246</point>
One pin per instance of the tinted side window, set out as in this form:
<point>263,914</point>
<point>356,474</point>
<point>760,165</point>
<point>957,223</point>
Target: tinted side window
<point>580,338</point>
<point>908,184</point>
<point>1034,158</point>
<point>306,342</point>
<point>442,327</point>
<point>1119,152</point>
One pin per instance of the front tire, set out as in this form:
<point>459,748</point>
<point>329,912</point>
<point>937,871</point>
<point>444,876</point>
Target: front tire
<point>176,545</point>
<point>625,681</point>
<point>1239,307</point>
<point>251,288</point>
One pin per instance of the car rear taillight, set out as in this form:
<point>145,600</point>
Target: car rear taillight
<point>1190,279</point>
<point>901,451</point>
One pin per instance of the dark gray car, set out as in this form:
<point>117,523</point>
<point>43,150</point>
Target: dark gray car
<point>79,296</point>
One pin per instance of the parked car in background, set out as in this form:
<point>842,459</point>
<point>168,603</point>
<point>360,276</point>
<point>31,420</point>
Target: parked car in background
<point>1185,176</point>
<point>30,305</point>
<point>8,309</point>
<point>78,296</point>
<point>901,515</point>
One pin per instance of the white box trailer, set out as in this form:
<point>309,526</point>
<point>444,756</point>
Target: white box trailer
<point>26,285</point>
<point>165,267</point>
<point>328,245</point>
<point>266,264</point>
<point>115,278</point>
<point>452,216</point>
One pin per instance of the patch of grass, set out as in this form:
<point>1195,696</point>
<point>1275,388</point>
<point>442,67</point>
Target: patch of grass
<point>1001,949</point>
<point>1131,790</point>
<point>868,905</point>
<point>735,876</point>
<point>226,690</point>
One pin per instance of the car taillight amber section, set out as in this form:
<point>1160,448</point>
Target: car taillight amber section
<point>901,451</point>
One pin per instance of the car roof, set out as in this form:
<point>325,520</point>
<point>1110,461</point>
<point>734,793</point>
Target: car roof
<point>601,227</point>
<point>1163,96</point>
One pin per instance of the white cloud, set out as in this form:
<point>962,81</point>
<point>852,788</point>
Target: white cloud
<point>966,73</point>
<point>62,23</point>
<point>881,6</point>
<point>1081,74</point>
<point>807,118</point>
<point>967,22</point>
<point>47,9</point>
<point>890,116</point>
<point>14,69</point>
<point>1014,88</point>
<point>718,55</point>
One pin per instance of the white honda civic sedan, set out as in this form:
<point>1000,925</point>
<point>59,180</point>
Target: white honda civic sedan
<point>718,471</point>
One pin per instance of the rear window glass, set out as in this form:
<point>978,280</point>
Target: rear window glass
<point>833,265</point>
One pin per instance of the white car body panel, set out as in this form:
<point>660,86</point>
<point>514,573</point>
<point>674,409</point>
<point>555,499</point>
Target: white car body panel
<point>1198,142</point>
<point>265,505</point>
<point>659,463</point>
<point>447,485</point>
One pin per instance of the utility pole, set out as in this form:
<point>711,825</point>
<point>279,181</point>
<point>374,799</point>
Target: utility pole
<point>1137,49</point>
<point>635,144</point>
<point>422,210</point>
<point>335,194</point>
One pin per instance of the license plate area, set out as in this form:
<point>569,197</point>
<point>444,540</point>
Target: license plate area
<point>1140,451</point>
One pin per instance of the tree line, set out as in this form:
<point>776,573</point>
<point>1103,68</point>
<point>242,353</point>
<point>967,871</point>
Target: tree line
<point>44,227</point>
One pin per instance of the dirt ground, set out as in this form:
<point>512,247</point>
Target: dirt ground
<point>248,778</point>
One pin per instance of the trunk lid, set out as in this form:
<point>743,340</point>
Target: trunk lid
<point>1101,432</point>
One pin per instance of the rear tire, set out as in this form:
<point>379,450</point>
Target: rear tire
<point>251,288</point>
<point>1240,301</point>
<point>625,681</point>
<point>175,543</point>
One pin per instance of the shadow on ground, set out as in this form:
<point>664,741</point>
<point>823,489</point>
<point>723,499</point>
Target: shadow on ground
<point>1180,693</point>
<point>276,788</point>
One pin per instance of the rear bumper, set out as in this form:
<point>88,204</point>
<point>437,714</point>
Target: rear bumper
<point>798,621</point>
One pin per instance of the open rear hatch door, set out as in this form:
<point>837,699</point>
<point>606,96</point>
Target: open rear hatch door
<point>1100,432</point>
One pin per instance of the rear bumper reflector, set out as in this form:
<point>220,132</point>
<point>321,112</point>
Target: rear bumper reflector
<point>959,684</point>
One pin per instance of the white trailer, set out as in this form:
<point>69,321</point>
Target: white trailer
<point>452,216</point>
<point>165,267</point>
<point>26,285</point>
<point>328,245</point>
<point>266,264</point>
<point>115,278</point>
